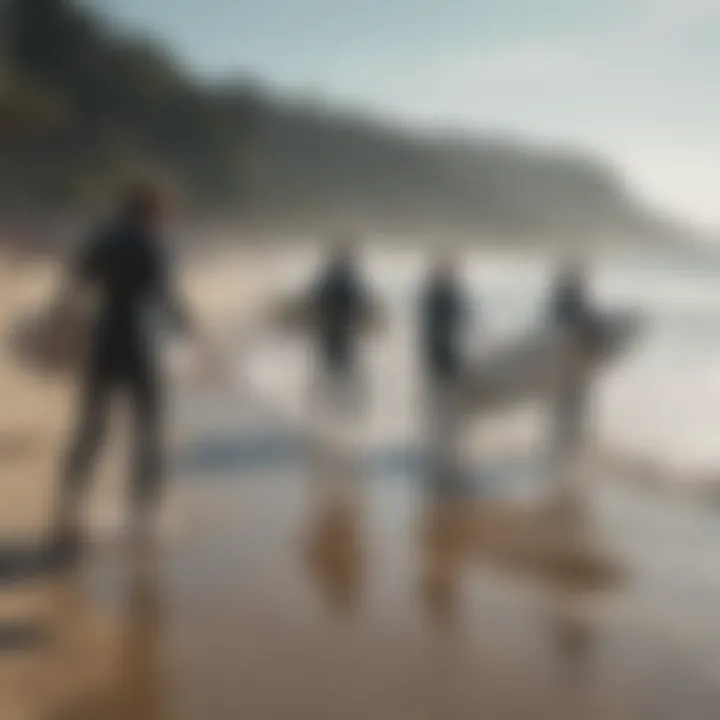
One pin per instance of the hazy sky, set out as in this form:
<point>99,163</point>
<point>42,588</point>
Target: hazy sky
<point>635,80</point>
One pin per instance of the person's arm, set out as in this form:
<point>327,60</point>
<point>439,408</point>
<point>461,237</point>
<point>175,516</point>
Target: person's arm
<point>80,271</point>
<point>208,357</point>
<point>173,305</point>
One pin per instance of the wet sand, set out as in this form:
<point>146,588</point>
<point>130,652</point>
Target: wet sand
<point>308,590</point>
<point>287,596</point>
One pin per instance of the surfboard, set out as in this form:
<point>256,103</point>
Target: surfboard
<point>51,340</point>
<point>533,365</point>
<point>300,314</point>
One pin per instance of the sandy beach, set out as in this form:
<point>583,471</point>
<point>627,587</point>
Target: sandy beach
<point>312,590</point>
<point>36,413</point>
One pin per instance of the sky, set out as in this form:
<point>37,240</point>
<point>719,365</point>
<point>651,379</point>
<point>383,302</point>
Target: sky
<point>633,81</point>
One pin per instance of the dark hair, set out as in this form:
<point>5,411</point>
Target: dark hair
<point>142,201</point>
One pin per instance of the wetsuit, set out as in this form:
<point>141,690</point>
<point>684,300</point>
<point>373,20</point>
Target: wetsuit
<point>127,268</point>
<point>444,316</point>
<point>341,306</point>
<point>571,310</point>
<point>574,315</point>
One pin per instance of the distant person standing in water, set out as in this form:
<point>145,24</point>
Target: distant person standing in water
<point>341,302</point>
<point>444,326</point>
<point>125,264</point>
<point>573,314</point>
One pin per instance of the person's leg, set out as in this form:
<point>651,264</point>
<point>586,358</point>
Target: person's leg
<point>358,385</point>
<point>435,429</point>
<point>333,392</point>
<point>320,383</point>
<point>349,391</point>
<point>145,392</point>
<point>454,429</point>
<point>448,432</point>
<point>87,438</point>
<point>570,424</point>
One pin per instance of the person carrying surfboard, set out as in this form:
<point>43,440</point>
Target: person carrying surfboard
<point>573,314</point>
<point>125,265</point>
<point>444,325</point>
<point>571,308</point>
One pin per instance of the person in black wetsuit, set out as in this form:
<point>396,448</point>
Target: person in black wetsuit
<point>341,300</point>
<point>572,312</point>
<point>444,324</point>
<point>125,265</point>
<point>570,306</point>
<point>445,316</point>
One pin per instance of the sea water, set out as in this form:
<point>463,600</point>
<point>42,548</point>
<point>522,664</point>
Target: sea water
<point>658,405</point>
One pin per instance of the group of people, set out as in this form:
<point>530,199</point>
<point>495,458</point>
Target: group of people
<point>126,264</point>
<point>446,323</point>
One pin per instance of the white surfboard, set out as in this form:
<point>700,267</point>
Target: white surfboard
<point>50,341</point>
<point>532,366</point>
<point>54,341</point>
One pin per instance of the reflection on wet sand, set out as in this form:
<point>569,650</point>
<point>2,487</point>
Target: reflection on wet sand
<point>133,686</point>
<point>457,535</point>
<point>553,549</point>
<point>574,631</point>
<point>442,553</point>
<point>333,550</point>
<point>543,544</point>
<point>542,541</point>
<point>70,663</point>
<point>229,631</point>
<point>93,663</point>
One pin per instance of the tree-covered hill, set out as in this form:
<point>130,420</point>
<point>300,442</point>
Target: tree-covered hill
<point>83,109</point>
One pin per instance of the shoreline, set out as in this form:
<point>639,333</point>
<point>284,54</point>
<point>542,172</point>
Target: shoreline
<point>298,590</point>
